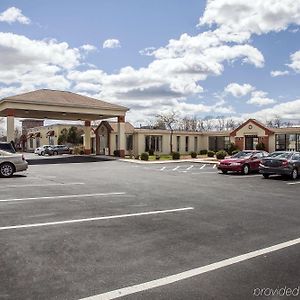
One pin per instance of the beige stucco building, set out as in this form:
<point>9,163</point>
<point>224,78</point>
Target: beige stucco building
<point>105,139</point>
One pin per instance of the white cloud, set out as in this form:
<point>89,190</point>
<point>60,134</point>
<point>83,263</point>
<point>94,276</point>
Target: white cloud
<point>88,48</point>
<point>112,43</point>
<point>147,51</point>
<point>279,73</point>
<point>12,15</point>
<point>260,98</point>
<point>288,110</point>
<point>238,90</point>
<point>242,18</point>
<point>295,62</point>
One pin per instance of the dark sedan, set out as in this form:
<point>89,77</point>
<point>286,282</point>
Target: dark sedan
<point>287,164</point>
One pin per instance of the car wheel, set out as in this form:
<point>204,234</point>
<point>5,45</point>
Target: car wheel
<point>266,176</point>
<point>224,171</point>
<point>43,153</point>
<point>294,174</point>
<point>6,170</point>
<point>55,153</point>
<point>246,169</point>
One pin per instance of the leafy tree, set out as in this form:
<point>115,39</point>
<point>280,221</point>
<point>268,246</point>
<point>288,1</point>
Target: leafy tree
<point>74,135</point>
<point>62,138</point>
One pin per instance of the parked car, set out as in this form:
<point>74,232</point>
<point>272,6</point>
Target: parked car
<point>287,164</point>
<point>8,147</point>
<point>58,149</point>
<point>243,161</point>
<point>42,150</point>
<point>11,163</point>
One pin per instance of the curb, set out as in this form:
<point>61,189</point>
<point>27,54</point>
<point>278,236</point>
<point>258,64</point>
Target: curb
<point>135,161</point>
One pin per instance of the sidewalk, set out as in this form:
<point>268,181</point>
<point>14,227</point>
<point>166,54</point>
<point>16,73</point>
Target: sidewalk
<point>191,160</point>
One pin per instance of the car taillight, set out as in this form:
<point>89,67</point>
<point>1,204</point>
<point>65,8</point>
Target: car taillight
<point>284,163</point>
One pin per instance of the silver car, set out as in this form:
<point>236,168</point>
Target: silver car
<point>11,163</point>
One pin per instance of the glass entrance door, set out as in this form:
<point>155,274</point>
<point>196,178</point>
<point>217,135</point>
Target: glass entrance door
<point>251,142</point>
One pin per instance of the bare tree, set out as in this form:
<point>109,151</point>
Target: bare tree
<point>169,120</point>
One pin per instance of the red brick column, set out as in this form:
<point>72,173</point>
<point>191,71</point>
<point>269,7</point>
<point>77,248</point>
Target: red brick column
<point>239,141</point>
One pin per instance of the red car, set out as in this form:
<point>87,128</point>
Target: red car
<point>243,161</point>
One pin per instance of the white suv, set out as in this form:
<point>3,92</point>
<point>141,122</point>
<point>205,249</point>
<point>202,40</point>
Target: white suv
<point>41,150</point>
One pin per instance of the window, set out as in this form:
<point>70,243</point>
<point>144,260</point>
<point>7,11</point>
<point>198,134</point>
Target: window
<point>37,141</point>
<point>196,144</point>
<point>296,156</point>
<point>186,144</point>
<point>287,142</point>
<point>31,143</point>
<point>153,142</point>
<point>117,142</point>
<point>216,143</point>
<point>129,142</point>
<point>178,144</point>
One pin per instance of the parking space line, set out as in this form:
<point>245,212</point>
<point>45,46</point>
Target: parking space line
<point>176,168</point>
<point>162,168</point>
<point>202,167</point>
<point>190,273</point>
<point>214,166</point>
<point>63,197</point>
<point>246,176</point>
<point>46,184</point>
<point>292,183</point>
<point>190,167</point>
<point>156,212</point>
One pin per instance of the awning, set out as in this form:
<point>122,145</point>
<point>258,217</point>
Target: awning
<point>50,133</point>
<point>38,134</point>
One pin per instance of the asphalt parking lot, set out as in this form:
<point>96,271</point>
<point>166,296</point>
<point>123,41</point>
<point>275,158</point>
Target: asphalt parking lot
<point>172,231</point>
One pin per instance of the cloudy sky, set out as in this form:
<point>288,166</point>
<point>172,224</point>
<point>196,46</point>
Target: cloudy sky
<point>233,58</point>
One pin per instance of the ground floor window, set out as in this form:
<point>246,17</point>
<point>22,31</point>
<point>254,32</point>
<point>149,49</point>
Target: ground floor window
<point>129,142</point>
<point>178,143</point>
<point>31,143</point>
<point>186,144</point>
<point>287,142</point>
<point>117,142</point>
<point>216,143</point>
<point>37,141</point>
<point>153,142</point>
<point>51,140</point>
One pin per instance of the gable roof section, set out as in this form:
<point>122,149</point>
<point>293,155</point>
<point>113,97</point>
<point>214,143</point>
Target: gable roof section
<point>257,123</point>
<point>62,98</point>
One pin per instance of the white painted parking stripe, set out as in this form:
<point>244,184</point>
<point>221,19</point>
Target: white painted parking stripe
<point>41,184</point>
<point>214,166</point>
<point>190,273</point>
<point>245,176</point>
<point>176,168</point>
<point>156,212</point>
<point>64,197</point>
<point>202,167</point>
<point>292,183</point>
<point>162,168</point>
<point>190,167</point>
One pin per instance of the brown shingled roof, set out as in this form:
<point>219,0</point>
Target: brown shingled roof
<point>54,97</point>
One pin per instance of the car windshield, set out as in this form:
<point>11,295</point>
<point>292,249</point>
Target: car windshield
<point>285,155</point>
<point>242,154</point>
<point>274,154</point>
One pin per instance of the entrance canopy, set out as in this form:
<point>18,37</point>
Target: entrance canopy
<point>58,105</point>
<point>62,105</point>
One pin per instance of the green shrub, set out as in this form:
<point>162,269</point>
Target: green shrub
<point>145,156</point>
<point>233,147</point>
<point>157,157</point>
<point>210,153</point>
<point>78,150</point>
<point>203,152</point>
<point>175,155</point>
<point>221,154</point>
<point>260,146</point>
<point>193,154</point>
<point>151,152</point>
<point>235,152</point>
